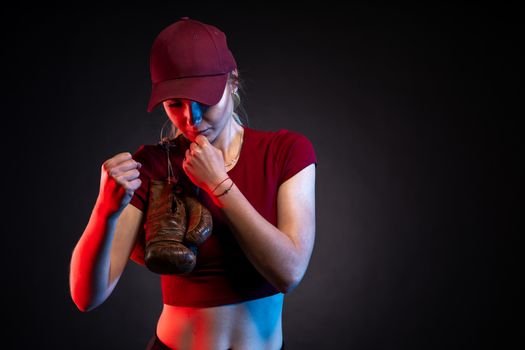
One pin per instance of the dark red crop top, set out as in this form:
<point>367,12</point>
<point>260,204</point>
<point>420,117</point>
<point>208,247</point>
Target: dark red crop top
<point>223,274</point>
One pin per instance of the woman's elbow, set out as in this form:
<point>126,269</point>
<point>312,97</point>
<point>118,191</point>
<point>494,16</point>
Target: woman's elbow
<point>290,282</point>
<point>85,304</point>
<point>84,299</point>
<point>287,288</point>
<point>81,302</point>
<point>80,299</point>
<point>82,306</point>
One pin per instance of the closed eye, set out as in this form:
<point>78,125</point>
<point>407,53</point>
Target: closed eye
<point>175,104</point>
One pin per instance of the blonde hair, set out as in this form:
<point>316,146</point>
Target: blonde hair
<point>237,107</point>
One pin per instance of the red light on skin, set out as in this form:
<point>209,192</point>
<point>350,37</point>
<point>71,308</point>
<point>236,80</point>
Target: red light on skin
<point>204,168</point>
<point>175,323</point>
<point>187,115</point>
<point>213,118</point>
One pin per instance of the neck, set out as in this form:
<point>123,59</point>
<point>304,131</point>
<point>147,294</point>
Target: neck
<point>229,142</point>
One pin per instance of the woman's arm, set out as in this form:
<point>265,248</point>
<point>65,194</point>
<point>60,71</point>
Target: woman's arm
<point>105,246</point>
<point>101,254</point>
<point>90,261</point>
<point>281,254</point>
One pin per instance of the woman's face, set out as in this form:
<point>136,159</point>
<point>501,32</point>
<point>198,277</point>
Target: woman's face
<point>193,118</point>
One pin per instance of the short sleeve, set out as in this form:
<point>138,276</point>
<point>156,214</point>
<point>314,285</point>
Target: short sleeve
<point>297,153</point>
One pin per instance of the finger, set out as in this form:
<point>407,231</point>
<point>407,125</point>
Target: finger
<point>130,175</point>
<point>202,140</point>
<point>124,166</point>
<point>194,146</point>
<point>130,186</point>
<point>133,185</point>
<point>121,157</point>
<point>130,164</point>
<point>117,159</point>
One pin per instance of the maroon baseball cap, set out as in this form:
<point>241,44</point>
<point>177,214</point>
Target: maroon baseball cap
<point>189,59</point>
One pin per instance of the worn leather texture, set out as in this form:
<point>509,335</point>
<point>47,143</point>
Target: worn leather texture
<point>176,223</point>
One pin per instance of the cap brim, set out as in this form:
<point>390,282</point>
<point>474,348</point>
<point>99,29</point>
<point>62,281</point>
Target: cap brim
<point>207,90</point>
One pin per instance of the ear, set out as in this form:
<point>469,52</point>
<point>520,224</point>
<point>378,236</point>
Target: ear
<point>234,80</point>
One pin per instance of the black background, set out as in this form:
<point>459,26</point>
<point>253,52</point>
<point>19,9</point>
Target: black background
<point>408,111</point>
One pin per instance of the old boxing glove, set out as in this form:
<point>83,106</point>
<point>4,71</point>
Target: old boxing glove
<point>175,225</point>
<point>199,222</point>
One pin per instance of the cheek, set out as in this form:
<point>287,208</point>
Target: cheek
<point>219,113</point>
<point>177,116</point>
<point>177,119</point>
<point>215,117</point>
<point>223,103</point>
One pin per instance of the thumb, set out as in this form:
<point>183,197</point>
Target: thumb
<point>202,140</point>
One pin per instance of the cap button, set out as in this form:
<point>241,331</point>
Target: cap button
<point>184,18</point>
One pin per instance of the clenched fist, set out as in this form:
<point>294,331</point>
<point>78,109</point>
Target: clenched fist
<point>118,181</point>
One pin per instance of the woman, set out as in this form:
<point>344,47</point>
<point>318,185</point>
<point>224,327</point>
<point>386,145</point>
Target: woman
<point>259,187</point>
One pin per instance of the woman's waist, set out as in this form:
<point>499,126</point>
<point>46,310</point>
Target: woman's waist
<point>255,321</point>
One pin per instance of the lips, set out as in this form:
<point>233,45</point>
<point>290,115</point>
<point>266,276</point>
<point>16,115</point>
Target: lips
<point>198,132</point>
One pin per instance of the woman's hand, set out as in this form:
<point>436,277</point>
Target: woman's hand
<point>204,164</point>
<point>118,181</point>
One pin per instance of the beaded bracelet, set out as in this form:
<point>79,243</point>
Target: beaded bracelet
<point>225,191</point>
<point>219,184</point>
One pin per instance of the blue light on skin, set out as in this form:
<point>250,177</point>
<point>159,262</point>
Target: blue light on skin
<point>265,313</point>
<point>197,110</point>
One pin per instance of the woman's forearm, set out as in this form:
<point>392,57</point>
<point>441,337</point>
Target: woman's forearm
<point>90,261</point>
<point>272,252</point>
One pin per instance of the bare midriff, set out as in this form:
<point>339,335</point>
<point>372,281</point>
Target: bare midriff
<point>250,325</point>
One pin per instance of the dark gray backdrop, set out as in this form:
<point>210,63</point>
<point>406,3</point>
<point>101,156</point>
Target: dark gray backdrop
<point>414,192</point>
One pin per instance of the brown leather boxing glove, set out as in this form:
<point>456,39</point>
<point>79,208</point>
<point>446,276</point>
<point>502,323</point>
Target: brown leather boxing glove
<point>199,222</point>
<point>175,224</point>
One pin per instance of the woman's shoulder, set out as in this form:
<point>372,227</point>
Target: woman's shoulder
<point>280,145</point>
<point>273,136</point>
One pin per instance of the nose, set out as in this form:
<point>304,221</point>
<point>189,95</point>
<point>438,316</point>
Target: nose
<point>197,110</point>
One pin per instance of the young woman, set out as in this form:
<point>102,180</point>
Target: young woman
<point>259,187</point>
